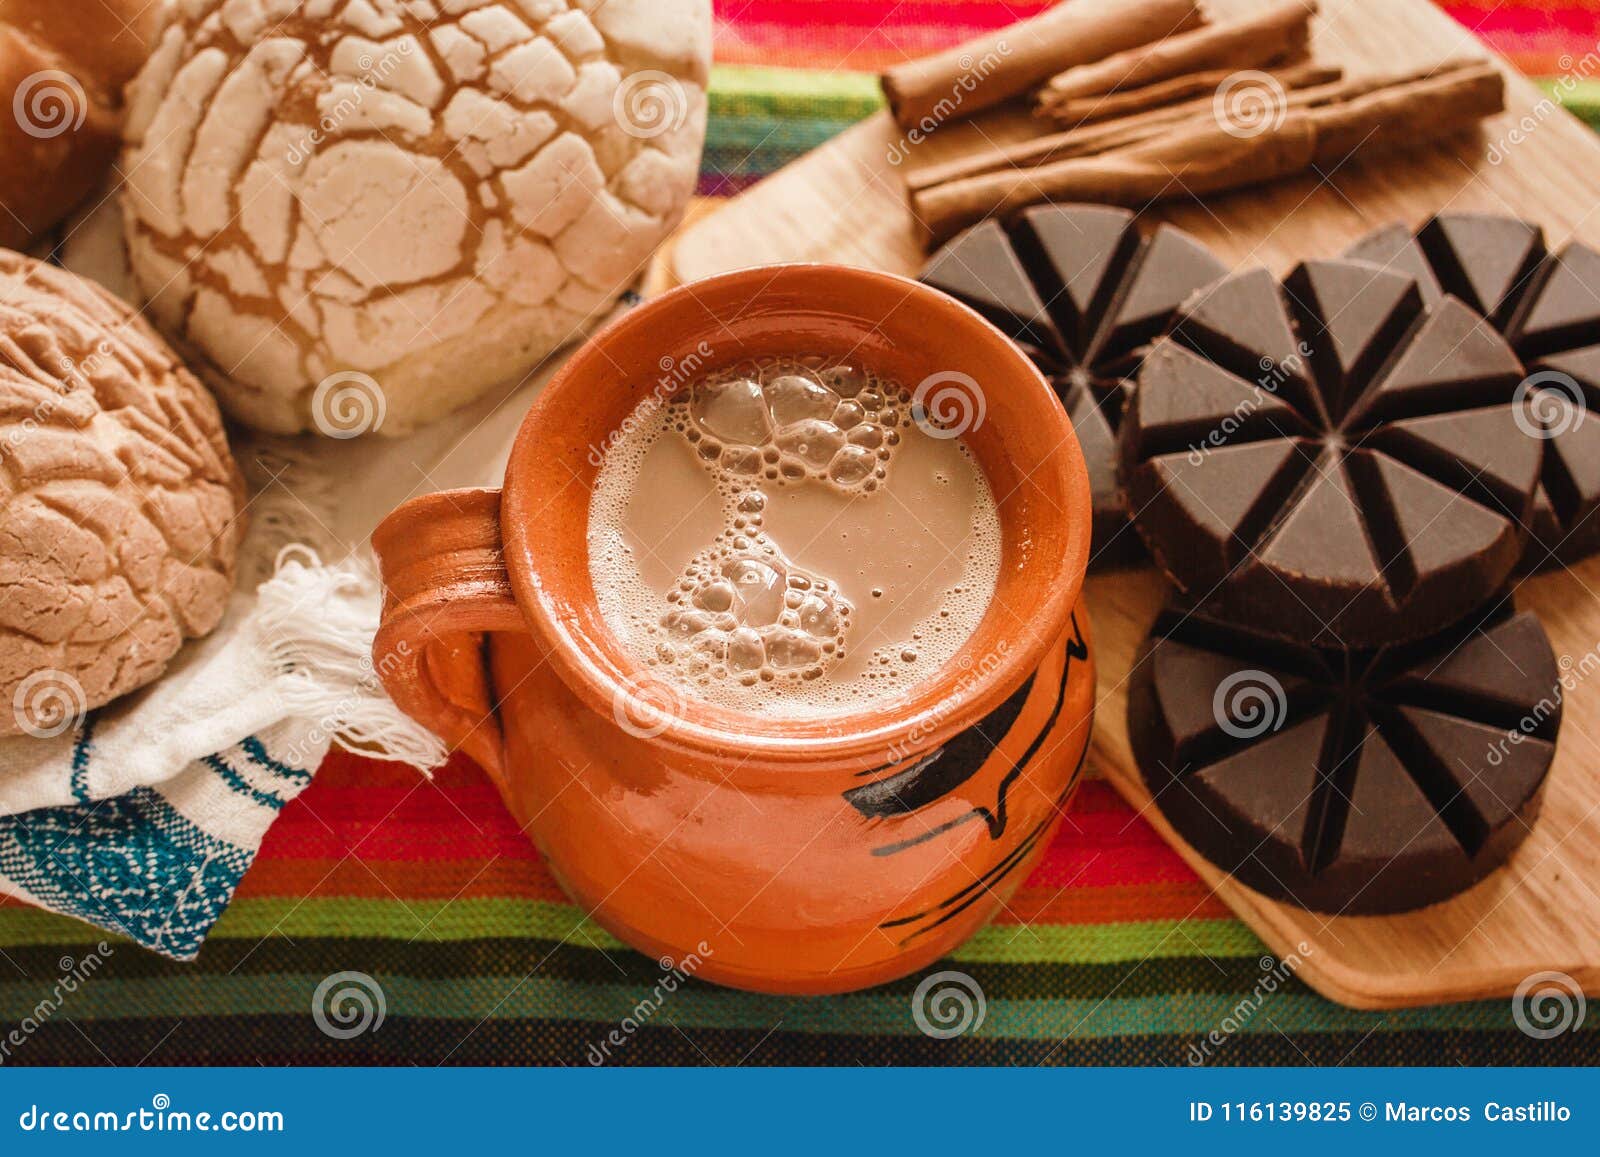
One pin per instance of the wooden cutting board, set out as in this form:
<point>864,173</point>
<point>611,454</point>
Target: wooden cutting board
<point>843,202</point>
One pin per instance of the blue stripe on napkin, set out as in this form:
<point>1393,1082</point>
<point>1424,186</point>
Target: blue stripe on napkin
<point>137,866</point>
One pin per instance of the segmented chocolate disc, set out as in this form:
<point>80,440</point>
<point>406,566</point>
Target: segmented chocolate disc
<point>1353,782</point>
<point>1549,308</point>
<point>1083,294</point>
<point>1328,461</point>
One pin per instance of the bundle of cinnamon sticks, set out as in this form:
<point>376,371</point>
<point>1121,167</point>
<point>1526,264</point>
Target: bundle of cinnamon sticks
<point>1144,100</point>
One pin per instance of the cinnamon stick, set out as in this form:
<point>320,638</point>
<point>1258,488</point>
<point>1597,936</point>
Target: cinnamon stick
<point>987,156</point>
<point>1167,166</point>
<point>1103,138</point>
<point>986,70</point>
<point>1283,30</point>
<point>1201,156</point>
<point>1394,116</point>
<point>1089,110</point>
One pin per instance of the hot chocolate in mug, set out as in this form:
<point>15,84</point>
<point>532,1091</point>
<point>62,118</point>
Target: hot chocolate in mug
<point>783,854</point>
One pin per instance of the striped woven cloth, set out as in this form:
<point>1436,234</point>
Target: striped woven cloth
<point>422,899</point>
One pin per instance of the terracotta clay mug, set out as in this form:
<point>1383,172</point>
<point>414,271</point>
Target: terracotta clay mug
<point>785,855</point>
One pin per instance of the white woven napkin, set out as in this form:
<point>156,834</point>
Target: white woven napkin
<point>143,817</point>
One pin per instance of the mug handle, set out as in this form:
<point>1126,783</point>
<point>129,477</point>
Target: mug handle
<point>445,587</point>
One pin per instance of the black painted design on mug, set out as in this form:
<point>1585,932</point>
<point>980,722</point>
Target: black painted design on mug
<point>951,907</point>
<point>942,770</point>
<point>946,770</point>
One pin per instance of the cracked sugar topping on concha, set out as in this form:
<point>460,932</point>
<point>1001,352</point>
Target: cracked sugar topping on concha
<point>430,195</point>
<point>120,505</point>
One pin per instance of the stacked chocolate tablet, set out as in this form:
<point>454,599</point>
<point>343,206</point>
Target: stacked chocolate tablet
<point>1339,472</point>
<point>1083,294</point>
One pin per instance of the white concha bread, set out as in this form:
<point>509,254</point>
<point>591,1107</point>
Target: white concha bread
<point>431,193</point>
<point>120,505</point>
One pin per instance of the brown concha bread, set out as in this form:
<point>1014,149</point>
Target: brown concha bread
<point>62,69</point>
<point>121,508</point>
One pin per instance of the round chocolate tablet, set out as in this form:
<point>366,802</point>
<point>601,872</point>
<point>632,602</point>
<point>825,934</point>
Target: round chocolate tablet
<point>1353,782</point>
<point>1083,294</point>
<point>1326,460</point>
<point>1549,307</point>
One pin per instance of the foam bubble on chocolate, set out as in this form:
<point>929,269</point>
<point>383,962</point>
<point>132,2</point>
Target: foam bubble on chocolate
<point>746,612</point>
<point>780,419</point>
<point>745,625</point>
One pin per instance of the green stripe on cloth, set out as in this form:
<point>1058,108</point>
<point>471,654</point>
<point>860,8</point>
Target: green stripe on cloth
<point>469,919</point>
<point>762,118</point>
<point>793,91</point>
<point>1581,98</point>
